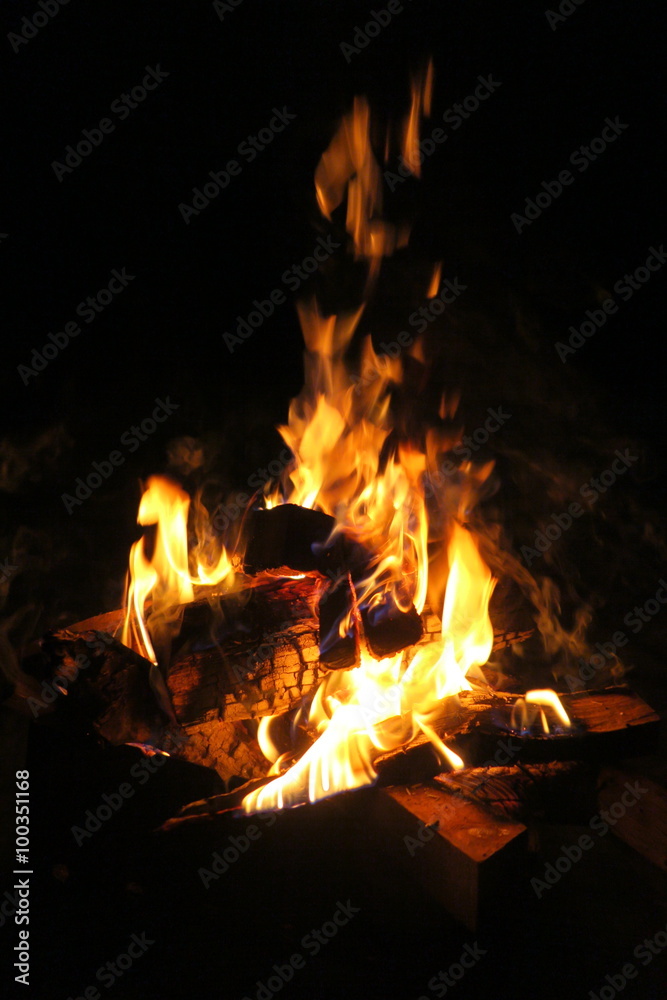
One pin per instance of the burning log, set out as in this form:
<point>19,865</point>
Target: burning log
<point>295,538</point>
<point>249,654</point>
<point>607,724</point>
<point>388,629</point>
<point>337,605</point>
<point>290,536</point>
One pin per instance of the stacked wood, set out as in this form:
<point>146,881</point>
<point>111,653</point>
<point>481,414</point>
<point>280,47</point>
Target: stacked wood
<point>239,656</point>
<point>297,539</point>
<point>642,825</point>
<point>530,782</point>
<point>610,723</point>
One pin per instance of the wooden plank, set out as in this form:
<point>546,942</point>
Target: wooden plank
<point>642,825</point>
<point>468,859</point>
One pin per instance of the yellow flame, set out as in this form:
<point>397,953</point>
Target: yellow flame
<point>164,575</point>
<point>523,717</point>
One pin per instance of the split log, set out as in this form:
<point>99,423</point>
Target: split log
<point>388,629</point>
<point>607,724</point>
<point>254,653</point>
<point>290,536</point>
<point>337,604</point>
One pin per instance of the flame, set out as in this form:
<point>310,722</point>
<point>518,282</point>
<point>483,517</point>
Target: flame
<point>523,718</point>
<point>354,461</point>
<point>349,169</point>
<point>434,286</point>
<point>164,575</point>
<point>381,705</point>
<point>422,89</point>
<point>338,432</point>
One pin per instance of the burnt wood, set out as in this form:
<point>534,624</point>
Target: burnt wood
<point>607,724</point>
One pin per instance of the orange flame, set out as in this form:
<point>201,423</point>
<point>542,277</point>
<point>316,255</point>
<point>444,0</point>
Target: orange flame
<point>349,168</point>
<point>524,717</point>
<point>422,89</point>
<point>350,461</point>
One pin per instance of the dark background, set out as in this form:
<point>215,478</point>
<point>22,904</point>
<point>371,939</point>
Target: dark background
<point>163,337</point>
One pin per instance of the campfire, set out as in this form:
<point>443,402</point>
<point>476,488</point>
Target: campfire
<point>341,632</point>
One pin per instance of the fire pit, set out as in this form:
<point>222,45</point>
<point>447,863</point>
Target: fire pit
<point>372,717</point>
<point>339,633</point>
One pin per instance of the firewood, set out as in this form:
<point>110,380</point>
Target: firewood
<point>388,629</point>
<point>558,791</point>
<point>461,854</point>
<point>610,723</point>
<point>254,652</point>
<point>245,655</point>
<point>289,536</point>
<point>336,606</point>
<point>643,826</point>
